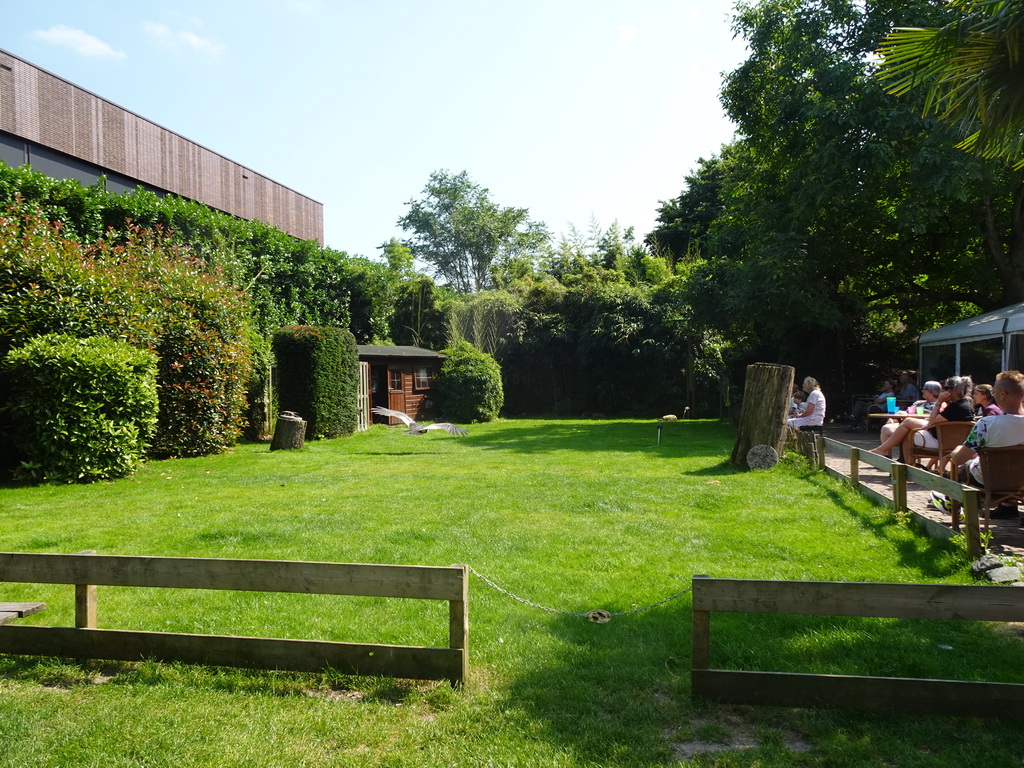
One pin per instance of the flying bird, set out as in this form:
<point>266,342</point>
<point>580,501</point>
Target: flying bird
<point>416,428</point>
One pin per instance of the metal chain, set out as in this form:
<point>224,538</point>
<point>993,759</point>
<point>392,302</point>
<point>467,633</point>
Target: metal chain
<point>598,615</point>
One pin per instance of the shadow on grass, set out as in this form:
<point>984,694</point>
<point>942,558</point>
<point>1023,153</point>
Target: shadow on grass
<point>679,439</point>
<point>932,557</point>
<point>619,694</point>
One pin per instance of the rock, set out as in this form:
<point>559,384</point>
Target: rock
<point>1004,574</point>
<point>669,417</point>
<point>983,564</point>
<point>1017,584</point>
<point>762,457</point>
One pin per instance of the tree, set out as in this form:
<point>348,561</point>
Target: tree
<point>460,232</point>
<point>973,71</point>
<point>841,222</point>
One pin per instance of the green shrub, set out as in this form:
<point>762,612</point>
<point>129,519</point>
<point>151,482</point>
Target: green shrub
<point>147,293</point>
<point>318,378</point>
<point>469,385</point>
<point>83,409</point>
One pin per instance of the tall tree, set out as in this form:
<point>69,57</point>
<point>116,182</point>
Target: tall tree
<point>840,218</point>
<point>462,234</point>
<point>973,72</point>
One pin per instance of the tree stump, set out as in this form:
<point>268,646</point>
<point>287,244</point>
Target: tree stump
<point>766,396</point>
<point>289,432</point>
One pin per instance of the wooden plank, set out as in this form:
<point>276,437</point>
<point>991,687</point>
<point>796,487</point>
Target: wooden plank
<point>22,609</point>
<point>835,598</point>
<point>855,467</point>
<point>13,611</point>
<point>409,581</point>
<point>876,497</point>
<point>837,448</point>
<point>875,693</point>
<point>933,482</point>
<point>875,460</point>
<point>250,652</point>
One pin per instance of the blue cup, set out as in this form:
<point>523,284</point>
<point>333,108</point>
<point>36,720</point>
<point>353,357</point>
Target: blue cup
<point>890,404</point>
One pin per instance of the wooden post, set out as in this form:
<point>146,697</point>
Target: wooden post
<point>458,626</point>
<point>766,396</point>
<point>855,467</point>
<point>85,601</point>
<point>700,652</point>
<point>289,432</point>
<point>898,473</point>
<point>819,441</point>
<point>972,503</point>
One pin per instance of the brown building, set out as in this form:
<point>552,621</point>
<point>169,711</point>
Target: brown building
<point>402,379</point>
<point>67,132</point>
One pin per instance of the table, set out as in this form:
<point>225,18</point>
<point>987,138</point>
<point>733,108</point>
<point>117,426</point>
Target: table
<point>899,415</point>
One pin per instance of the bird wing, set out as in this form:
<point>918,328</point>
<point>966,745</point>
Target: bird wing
<point>404,417</point>
<point>451,429</point>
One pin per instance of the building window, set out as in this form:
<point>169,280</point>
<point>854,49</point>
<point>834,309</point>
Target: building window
<point>395,380</point>
<point>422,377</point>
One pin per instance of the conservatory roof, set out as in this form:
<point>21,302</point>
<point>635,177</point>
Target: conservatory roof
<point>985,326</point>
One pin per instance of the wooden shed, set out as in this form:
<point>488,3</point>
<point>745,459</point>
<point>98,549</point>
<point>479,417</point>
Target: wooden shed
<point>400,378</point>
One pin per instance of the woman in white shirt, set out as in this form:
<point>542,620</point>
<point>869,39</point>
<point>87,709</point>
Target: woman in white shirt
<point>814,414</point>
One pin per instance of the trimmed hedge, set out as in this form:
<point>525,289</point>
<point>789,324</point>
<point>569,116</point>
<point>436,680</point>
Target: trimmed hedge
<point>469,385</point>
<point>318,378</point>
<point>147,293</point>
<point>83,409</point>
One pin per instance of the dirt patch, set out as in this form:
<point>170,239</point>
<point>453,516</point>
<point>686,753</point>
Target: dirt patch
<point>731,731</point>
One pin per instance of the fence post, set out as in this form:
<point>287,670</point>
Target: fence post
<point>819,440</point>
<point>898,473</point>
<point>855,467</point>
<point>85,601</point>
<point>700,651</point>
<point>972,503</point>
<point>458,627</point>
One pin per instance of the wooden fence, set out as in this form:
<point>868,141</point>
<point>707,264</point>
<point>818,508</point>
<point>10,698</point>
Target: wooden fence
<point>826,598</point>
<point>968,498</point>
<point>85,640</point>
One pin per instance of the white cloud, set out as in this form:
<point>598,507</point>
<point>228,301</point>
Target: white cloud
<point>182,42</point>
<point>78,41</point>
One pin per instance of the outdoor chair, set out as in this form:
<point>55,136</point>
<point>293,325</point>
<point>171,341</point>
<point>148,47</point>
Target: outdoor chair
<point>1003,471</point>
<point>950,434</point>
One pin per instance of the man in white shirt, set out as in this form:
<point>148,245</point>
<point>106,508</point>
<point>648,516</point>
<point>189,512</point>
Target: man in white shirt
<point>999,431</point>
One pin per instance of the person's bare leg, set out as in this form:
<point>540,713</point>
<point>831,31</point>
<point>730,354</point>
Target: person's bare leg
<point>885,449</point>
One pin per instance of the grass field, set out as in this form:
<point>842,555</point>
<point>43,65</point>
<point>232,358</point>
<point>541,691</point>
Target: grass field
<point>570,515</point>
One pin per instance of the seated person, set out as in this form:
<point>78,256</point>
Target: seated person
<point>999,431</point>
<point>798,403</point>
<point>930,392</point>
<point>929,395</point>
<point>984,401</point>
<point>875,405</point>
<point>909,391</point>
<point>814,413</point>
<point>952,405</point>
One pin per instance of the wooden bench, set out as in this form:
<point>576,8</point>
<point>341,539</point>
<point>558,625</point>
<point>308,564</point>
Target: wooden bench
<point>11,611</point>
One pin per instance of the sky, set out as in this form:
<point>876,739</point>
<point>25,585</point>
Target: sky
<point>580,111</point>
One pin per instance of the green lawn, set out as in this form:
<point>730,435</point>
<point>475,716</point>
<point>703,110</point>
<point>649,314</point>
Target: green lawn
<point>571,515</point>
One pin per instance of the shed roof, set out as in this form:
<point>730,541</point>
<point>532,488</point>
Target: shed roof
<point>985,326</point>
<point>389,351</point>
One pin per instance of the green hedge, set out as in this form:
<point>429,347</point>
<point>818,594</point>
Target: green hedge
<point>147,293</point>
<point>469,385</point>
<point>82,409</point>
<point>318,378</point>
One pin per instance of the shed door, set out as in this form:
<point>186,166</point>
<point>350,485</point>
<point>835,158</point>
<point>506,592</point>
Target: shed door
<point>396,389</point>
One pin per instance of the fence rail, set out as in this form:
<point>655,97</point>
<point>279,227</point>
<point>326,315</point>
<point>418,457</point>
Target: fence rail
<point>87,570</point>
<point>967,500</point>
<point>905,601</point>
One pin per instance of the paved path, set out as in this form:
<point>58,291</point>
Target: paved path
<point>1007,535</point>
